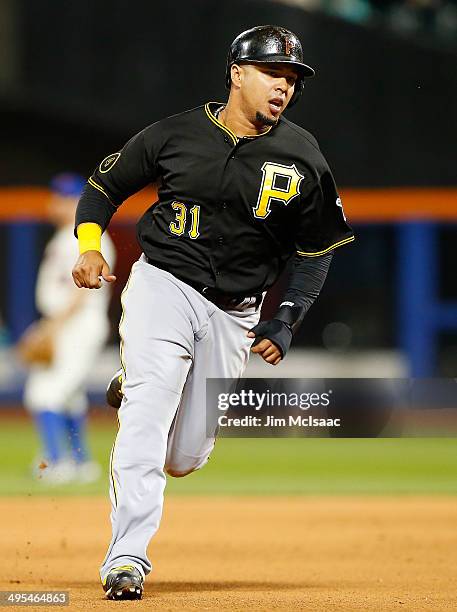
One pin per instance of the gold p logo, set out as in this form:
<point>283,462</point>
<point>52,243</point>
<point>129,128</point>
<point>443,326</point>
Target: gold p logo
<point>271,190</point>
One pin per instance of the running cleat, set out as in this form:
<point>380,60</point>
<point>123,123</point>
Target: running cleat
<point>124,582</point>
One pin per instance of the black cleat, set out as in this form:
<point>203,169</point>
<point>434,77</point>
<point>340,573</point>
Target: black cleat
<point>124,582</point>
<point>114,393</point>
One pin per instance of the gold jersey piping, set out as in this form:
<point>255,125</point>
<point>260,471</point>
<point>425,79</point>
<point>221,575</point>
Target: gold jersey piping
<point>99,188</point>
<point>227,130</point>
<point>333,246</point>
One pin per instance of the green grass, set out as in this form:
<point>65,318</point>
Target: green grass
<point>262,466</point>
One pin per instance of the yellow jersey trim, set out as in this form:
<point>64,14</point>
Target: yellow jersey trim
<point>98,187</point>
<point>227,130</point>
<point>220,125</point>
<point>334,246</point>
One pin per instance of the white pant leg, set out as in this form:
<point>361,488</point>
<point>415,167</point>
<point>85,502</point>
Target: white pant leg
<point>223,353</point>
<point>158,332</point>
<point>61,386</point>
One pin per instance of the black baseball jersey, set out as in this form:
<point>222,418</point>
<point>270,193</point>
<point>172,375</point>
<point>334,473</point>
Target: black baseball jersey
<point>231,211</point>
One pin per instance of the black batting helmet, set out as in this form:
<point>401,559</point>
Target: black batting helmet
<point>268,43</point>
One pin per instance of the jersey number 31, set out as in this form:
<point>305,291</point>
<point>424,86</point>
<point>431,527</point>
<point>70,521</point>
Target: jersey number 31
<point>178,226</point>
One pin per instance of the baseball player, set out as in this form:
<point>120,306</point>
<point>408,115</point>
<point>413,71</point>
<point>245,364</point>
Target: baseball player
<point>77,325</point>
<point>242,192</point>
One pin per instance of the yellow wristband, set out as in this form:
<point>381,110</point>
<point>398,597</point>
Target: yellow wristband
<point>89,237</point>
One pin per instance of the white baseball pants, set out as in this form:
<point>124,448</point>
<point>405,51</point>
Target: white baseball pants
<point>172,339</point>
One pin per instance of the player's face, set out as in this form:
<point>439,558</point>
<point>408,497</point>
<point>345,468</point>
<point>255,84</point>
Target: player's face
<point>266,90</point>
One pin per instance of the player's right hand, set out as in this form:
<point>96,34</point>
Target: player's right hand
<point>89,269</point>
<point>272,340</point>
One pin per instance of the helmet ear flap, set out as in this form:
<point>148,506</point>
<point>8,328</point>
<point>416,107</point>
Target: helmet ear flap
<point>228,68</point>
<point>299,87</point>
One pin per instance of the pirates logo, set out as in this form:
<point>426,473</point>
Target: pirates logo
<point>288,46</point>
<point>109,162</point>
<point>272,191</point>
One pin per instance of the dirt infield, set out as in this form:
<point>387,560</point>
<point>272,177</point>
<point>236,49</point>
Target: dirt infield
<point>275,553</point>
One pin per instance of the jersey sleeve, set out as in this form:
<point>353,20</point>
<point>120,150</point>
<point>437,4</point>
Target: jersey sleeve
<point>119,176</point>
<point>322,225</point>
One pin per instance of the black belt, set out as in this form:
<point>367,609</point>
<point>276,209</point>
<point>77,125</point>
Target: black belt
<point>218,298</point>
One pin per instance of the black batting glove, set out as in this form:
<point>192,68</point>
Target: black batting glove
<point>278,332</point>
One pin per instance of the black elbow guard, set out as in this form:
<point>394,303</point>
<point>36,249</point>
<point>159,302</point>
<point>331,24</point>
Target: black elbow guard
<point>291,314</point>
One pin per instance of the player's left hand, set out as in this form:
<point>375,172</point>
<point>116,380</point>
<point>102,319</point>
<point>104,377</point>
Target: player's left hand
<point>273,339</point>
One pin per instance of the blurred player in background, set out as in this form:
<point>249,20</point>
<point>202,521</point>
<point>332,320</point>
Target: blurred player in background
<point>76,326</point>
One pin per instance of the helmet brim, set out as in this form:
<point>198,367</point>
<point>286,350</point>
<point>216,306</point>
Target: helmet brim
<point>304,70</point>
